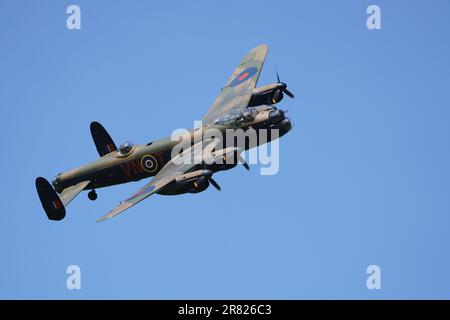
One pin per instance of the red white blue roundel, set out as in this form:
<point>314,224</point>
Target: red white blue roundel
<point>243,76</point>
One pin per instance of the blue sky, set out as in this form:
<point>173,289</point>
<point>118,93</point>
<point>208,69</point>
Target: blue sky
<point>364,176</point>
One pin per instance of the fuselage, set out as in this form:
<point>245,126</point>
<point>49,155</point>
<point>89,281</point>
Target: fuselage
<point>146,160</point>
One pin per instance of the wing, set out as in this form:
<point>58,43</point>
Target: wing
<point>144,192</point>
<point>239,88</point>
<point>174,168</point>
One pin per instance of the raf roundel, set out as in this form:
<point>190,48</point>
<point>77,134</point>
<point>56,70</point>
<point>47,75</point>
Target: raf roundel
<point>243,76</point>
<point>149,163</point>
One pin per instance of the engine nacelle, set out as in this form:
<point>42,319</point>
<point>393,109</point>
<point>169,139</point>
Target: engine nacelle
<point>199,185</point>
<point>216,167</point>
<point>284,126</point>
<point>223,160</point>
<point>270,94</point>
<point>192,182</point>
<point>275,116</point>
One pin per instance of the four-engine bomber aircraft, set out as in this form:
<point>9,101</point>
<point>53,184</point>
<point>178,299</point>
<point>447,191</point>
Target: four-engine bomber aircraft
<point>239,106</point>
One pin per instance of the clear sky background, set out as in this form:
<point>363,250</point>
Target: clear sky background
<point>364,176</point>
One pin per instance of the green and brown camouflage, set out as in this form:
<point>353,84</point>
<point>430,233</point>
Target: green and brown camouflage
<point>239,106</point>
<point>239,88</point>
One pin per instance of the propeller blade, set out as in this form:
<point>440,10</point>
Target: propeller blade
<point>241,160</point>
<point>284,86</point>
<point>290,94</point>
<point>215,184</point>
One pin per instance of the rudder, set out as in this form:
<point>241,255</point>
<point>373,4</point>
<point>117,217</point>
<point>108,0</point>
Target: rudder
<point>50,200</point>
<point>103,141</point>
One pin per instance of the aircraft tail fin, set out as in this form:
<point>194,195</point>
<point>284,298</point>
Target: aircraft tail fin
<point>103,141</point>
<point>52,204</point>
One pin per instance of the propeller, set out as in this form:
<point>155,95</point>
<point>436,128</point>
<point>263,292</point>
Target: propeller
<point>283,88</point>
<point>242,161</point>
<point>239,159</point>
<point>211,180</point>
<point>214,183</point>
<point>208,177</point>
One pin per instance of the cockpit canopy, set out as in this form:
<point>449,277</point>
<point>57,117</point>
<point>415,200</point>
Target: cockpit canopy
<point>126,147</point>
<point>237,118</point>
